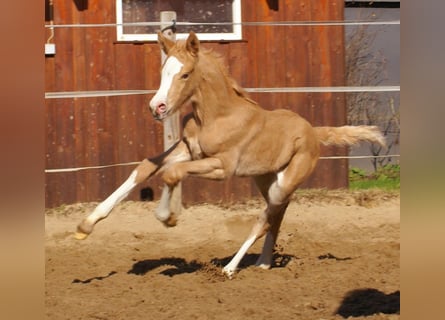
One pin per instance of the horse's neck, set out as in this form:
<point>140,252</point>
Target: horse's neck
<point>213,97</point>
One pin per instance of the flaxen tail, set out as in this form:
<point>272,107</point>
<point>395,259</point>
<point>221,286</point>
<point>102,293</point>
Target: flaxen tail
<point>349,135</point>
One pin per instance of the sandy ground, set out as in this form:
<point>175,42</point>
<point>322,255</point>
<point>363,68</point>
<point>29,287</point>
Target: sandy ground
<point>337,256</point>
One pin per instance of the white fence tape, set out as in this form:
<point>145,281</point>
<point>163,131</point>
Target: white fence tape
<point>252,23</point>
<point>111,93</point>
<point>138,162</point>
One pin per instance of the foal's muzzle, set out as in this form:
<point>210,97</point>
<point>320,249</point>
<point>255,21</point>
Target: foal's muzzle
<point>158,109</point>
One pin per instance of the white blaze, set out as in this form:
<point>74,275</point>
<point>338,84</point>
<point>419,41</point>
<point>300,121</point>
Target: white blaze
<point>171,67</point>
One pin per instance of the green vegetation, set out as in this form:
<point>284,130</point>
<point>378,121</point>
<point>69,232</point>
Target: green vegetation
<point>385,178</point>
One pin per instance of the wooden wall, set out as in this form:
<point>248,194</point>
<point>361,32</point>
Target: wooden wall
<point>84,132</point>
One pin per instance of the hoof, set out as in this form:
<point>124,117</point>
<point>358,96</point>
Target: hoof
<point>263,266</point>
<point>229,273</point>
<point>83,230</point>
<point>171,221</point>
<point>80,236</point>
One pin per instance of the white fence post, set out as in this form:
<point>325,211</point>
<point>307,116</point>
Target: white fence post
<point>171,124</point>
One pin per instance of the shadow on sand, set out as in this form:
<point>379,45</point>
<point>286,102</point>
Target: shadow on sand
<point>175,266</point>
<point>366,302</point>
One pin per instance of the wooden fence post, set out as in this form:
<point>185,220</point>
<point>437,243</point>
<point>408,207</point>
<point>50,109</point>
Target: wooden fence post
<point>171,124</point>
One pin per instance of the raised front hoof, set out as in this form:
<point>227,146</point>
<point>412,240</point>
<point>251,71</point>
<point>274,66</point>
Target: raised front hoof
<point>83,230</point>
<point>80,236</point>
<point>172,221</point>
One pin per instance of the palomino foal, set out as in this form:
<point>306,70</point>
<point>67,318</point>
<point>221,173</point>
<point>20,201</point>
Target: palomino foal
<point>228,134</point>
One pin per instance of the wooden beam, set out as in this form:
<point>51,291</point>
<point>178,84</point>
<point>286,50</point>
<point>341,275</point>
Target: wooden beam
<point>171,123</point>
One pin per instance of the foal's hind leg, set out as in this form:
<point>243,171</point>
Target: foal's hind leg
<point>300,167</point>
<point>276,191</point>
<point>147,168</point>
<point>259,229</point>
<point>262,226</point>
<point>276,217</point>
<point>265,184</point>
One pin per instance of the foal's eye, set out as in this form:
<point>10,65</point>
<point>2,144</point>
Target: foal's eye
<point>185,76</point>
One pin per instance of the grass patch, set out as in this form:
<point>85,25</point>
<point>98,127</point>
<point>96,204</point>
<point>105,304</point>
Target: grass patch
<point>385,178</point>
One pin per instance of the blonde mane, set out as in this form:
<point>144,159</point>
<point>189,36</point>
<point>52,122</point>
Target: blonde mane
<point>219,60</point>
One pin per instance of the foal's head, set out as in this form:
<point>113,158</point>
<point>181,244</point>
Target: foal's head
<point>179,78</point>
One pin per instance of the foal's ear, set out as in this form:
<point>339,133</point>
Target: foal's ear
<point>192,44</point>
<point>165,43</point>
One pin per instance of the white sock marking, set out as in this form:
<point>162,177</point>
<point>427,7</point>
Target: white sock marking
<point>104,208</point>
<point>230,268</point>
<point>162,212</point>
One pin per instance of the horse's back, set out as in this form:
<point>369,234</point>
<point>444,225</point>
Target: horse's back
<point>286,121</point>
<point>279,137</point>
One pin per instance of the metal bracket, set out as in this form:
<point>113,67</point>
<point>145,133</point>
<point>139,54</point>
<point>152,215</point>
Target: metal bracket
<point>172,27</point>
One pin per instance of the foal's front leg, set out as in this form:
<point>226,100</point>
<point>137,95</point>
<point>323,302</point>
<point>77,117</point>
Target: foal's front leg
<point>146,169</point>
<point>210,168</point>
